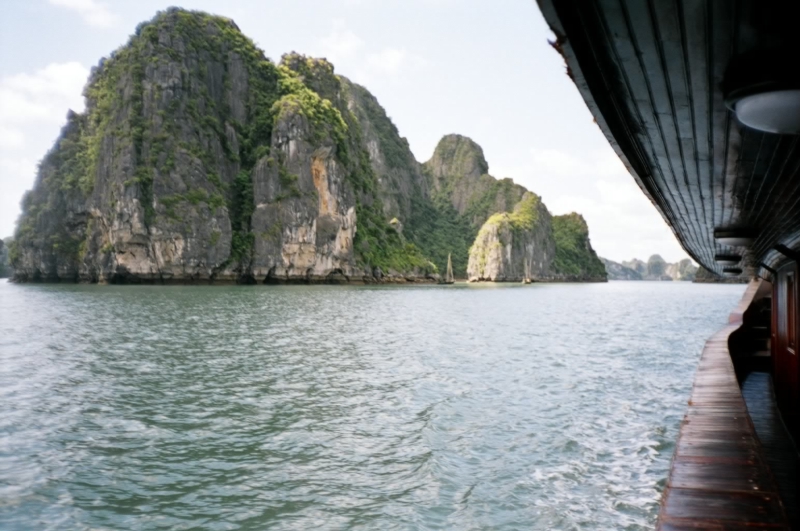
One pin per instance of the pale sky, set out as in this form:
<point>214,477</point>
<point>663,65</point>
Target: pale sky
<point>477,68</point>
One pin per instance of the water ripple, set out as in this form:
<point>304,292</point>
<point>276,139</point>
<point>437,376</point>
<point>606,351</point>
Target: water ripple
<point>294,408</point>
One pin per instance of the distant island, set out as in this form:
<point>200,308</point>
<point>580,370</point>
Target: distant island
<point>200,160</point>
<point>656,268</point>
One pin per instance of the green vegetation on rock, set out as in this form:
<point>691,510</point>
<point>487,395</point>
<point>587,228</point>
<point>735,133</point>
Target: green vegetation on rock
<point>524,217</point>
<point>494,195</point>
<point>377,242</point>
<point>439,230</point>
<point>574,255</point>
<point>386,188</point>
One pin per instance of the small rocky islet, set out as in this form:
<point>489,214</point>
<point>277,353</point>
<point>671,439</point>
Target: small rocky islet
<point>198,159</point>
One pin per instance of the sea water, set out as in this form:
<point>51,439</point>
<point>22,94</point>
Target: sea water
<point>552,406</point>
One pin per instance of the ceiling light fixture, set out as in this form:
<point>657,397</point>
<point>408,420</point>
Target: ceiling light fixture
<point>763,91</point>
<point>727,259</point>
<point>775,111</point>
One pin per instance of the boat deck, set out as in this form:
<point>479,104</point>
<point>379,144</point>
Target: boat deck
<point>720,478</point>
<point>778,447</point>
<point>722,474</point>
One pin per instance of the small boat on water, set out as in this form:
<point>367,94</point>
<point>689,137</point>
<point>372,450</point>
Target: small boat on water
<point>448,277</point>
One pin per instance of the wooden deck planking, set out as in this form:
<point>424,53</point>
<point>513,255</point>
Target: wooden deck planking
<point>779,450</point>
<point>720,477</point>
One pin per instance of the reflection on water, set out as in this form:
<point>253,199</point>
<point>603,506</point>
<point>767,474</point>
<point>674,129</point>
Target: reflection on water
<point>313,407</point>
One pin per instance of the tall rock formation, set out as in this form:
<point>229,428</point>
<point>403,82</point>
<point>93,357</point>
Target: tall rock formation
<point>474,215</point>
<point>459,172</point>
<point>199,159</point>
<point>462,196</point>
<point>514,246</point>
<point>400,180</point>
<point>530,244</point>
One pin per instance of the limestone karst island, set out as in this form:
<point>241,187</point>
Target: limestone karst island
<point>198,159</point>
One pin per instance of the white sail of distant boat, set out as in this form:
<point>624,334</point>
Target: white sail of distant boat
<point>449,278</point>
<point>527,278</point>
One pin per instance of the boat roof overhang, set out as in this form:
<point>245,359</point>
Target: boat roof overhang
<point>655,74</point>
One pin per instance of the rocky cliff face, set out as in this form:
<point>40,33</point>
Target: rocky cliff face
<point>491,226</point>
<point>461,197</point>
<point>459,172</point>
<point>400,178</point>
<point>514,246</point>
<point>530,244</point>
<point>636,265</point>
<point>199,159</point>
<point>657,268</point>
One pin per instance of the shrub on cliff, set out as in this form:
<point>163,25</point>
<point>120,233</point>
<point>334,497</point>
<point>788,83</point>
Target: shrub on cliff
<point>574,254</point>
